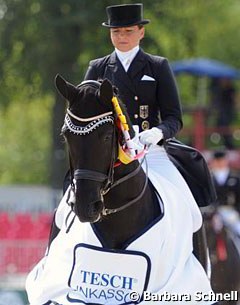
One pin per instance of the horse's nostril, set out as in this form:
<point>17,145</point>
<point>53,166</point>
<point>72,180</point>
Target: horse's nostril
<point>95,208</point>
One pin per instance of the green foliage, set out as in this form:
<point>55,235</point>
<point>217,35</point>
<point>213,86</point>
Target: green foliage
<point>183,29</point>
<point>42,38</point>
<point>25,139</point>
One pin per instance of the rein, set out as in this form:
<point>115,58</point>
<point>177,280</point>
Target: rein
<point>132,174</point>
<point>107,211</point>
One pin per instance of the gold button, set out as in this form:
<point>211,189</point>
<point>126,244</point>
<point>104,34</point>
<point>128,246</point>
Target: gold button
<point>136,98</point>
<point>135,116</point>
<point>145,125</point>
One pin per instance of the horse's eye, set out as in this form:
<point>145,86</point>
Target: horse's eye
<point>107,137</point>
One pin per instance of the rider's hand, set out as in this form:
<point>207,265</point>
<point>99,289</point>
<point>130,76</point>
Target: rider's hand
<point>151,136</point>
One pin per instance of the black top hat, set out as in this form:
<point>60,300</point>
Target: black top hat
<point>219,154</point>
<point>125,15</point>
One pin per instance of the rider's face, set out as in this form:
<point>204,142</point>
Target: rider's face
<point>126,38</point>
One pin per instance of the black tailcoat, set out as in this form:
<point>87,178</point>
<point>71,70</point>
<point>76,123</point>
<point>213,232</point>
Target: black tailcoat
<point>148,90</point>
<point>228,193</point>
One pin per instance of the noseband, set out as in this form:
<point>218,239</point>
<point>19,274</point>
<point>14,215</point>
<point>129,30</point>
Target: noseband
<point>89,175</point>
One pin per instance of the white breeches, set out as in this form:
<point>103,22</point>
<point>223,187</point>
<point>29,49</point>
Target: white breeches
<point>158,161</point>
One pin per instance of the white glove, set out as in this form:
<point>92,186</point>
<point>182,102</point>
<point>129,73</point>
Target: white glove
<point>151,136</point>
<point>136,144</point>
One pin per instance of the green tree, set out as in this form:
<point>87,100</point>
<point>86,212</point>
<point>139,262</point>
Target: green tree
<point>39,40</point>
<point>42,38</point>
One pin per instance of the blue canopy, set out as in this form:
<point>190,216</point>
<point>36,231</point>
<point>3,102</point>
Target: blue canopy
<point>205,67</point>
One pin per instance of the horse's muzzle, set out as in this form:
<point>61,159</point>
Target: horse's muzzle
<point>92,212</point>
<point>88,203</point>
<point>87,200</point>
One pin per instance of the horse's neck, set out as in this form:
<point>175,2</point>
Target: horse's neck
<point>116,229</point>
<point>129,188</point>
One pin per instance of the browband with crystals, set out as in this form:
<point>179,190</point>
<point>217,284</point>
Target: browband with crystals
<point>83,130</point>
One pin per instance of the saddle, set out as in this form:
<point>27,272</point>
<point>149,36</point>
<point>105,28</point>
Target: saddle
<point>194,169</point>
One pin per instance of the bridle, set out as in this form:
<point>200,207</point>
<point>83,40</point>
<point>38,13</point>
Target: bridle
<point>85,174</point>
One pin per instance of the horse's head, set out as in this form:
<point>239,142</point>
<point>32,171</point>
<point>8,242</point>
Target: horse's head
<point>91,135</point>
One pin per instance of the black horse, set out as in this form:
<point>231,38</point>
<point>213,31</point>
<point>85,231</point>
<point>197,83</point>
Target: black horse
<point>114,211</point>
<point>100,188</point>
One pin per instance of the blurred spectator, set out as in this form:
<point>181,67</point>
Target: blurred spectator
<point>227,184</point>
<point>227,181</point>
<point>223,101</point>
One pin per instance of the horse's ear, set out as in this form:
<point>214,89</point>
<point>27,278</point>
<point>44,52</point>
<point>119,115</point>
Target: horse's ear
<point>106,91</point>
<point>66,89</point>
